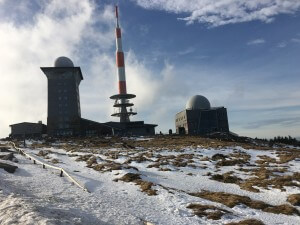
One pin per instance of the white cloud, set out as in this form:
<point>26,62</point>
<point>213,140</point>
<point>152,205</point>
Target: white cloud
<point>221,12</point>
<point>187,51</point>
<point>295,40</point>
<point>256,42</point>
<point>282,44</point>
<point>59,28</point>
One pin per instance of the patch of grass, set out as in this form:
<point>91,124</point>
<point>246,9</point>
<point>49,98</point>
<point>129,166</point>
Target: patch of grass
<point>164,169</point>
<point>179,164</point>
<point>54,161</point>
<point>107,166</point>
<point>208,211</point>
<point>247,222</point>
<point>226,178</point>
<point>42,153</point>
<point>287,157</point>
<point>206,158</point>
<point>278,182</point>
<point>294,199</point>
<point>129,177</point>
<point>265,160</point>
<point>84,157</point>
<point>145,186</point>
<point>232,200</point>
<point>92,160</point>
<point>230,162</point>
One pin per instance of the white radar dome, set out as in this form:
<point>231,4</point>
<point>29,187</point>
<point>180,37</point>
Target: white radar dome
<point>63,62</point>
<point>197,102</point>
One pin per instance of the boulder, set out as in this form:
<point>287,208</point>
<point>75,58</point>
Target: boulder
<point>4,149</point>
<point>218,156</point>
<point>8,168</point>
<point>9,156</point>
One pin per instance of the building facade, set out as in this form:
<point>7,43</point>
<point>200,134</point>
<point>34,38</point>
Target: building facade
<point>28,130</point>
<point>199,118</point>
<point>138,128</point>
<point>63,97</point>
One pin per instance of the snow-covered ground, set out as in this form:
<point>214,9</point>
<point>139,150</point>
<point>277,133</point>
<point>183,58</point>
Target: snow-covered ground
<point>33,195</point>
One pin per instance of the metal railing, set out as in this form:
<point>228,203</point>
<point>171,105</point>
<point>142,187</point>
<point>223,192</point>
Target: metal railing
<point>37,161</point>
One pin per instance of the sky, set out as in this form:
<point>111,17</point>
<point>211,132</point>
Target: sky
<point>240,54</point>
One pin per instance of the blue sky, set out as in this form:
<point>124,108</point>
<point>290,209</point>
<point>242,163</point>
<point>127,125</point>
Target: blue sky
<point>241,55</point>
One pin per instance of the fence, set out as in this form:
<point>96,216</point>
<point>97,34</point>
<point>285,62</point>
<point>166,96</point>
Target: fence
<point>37,161</point>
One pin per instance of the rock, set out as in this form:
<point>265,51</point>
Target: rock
<point>8,168</point>
<point>218,157</point>
<point>4,149</point>
<point>9,156</point>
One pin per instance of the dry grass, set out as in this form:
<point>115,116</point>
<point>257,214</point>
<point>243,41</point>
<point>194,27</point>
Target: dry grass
<point>91,161</point>
<point>145,186</point>
<point>265,160</point>
<point>261,180</point>
<point>288,156</point>
<point>247,222</point>
<point>54,161</point>
<point>84,157</point>
<point>226,178</point>
<point>208,211</point>
<point>232,200</point>
<point>107,166</point>
<point>230,162</point>
<point>294,199</point>
<point>42,153</point>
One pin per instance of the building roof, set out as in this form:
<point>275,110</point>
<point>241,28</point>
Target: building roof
<point>26,123</point>
<point>197,102</point>
<point>63,61</point>
<point>51,69</point>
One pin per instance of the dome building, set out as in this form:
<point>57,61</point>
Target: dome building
<point>200,118</point>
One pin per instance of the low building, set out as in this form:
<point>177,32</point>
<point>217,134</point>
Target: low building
<point>28,130</point>
<point>200,118</point>
<point>138,128</point>
<point>92,128</point>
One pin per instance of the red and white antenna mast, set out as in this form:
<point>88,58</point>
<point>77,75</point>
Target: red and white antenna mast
<point>120,57</point>
<point>121,99</point>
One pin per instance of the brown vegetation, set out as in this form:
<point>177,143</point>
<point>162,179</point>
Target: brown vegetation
<point>247,222</point>
<point>226,178</point>
<point>54,161</point>
<point>208,211</point>
<point>232,200</point>
<point>145,186</point>
<point>261,180</point>
<point>294,199</point>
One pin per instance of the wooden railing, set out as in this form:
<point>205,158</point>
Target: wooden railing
<point>37,161</point>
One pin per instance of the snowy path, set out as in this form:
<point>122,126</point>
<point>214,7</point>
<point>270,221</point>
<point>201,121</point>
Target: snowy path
<point>60,202</point>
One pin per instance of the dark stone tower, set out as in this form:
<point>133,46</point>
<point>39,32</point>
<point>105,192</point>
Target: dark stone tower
<point>63,97</point>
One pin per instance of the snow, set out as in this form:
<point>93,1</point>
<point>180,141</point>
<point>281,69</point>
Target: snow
<point>33,195</point>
